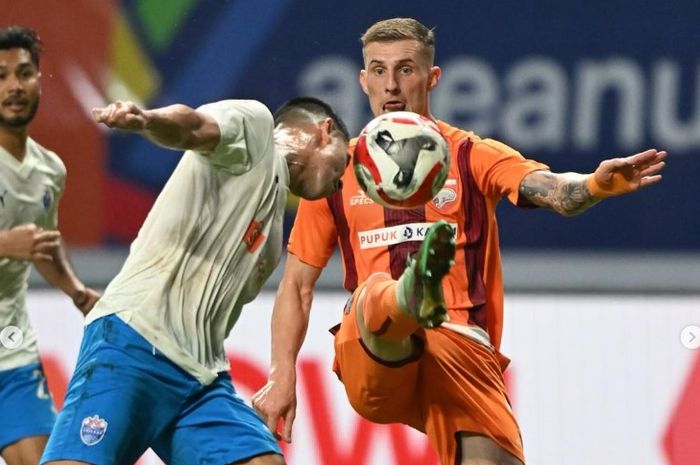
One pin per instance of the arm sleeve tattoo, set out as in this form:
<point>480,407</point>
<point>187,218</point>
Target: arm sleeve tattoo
<point>565,193</point>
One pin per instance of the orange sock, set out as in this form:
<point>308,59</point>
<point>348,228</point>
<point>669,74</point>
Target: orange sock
<point>382,314</point>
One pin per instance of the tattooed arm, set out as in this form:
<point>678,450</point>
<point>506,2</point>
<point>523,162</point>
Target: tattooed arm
<point>573,193</point>
<point>565,193</point>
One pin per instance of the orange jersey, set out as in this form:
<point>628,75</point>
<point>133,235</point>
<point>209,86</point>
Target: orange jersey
<point>373,238</point>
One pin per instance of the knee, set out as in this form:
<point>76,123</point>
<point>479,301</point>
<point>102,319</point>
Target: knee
<point>379,406</point>
<point>369,410</point>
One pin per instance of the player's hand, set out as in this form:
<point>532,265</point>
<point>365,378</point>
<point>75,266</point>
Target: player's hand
<point>277,401</point>
<point>619,176</point>
<point>122,115</point>
<point>30,242</point>
<point>85,298</point>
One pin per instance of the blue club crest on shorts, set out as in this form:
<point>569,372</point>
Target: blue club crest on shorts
<point>92,430</point>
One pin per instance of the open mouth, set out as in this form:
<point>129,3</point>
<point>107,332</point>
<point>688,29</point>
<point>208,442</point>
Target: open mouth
<point>394,105</point>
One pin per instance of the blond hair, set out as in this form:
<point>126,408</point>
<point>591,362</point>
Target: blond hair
<point>395,29</point>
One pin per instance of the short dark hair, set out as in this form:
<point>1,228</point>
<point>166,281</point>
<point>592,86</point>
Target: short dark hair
<point>22,37</point>
<point>311,106</point>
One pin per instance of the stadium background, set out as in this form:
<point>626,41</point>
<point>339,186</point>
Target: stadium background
<point>596,302</point>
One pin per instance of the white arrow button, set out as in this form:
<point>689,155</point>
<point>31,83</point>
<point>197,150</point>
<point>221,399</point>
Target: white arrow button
<point>11,337</point>
<point>690,337</point>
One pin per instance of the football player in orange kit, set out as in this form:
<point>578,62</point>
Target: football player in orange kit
<point>399,360</point>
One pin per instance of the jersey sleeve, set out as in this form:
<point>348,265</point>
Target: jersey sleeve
<point>313,236</point>
<point>498,169</point>
<point>246,134</point>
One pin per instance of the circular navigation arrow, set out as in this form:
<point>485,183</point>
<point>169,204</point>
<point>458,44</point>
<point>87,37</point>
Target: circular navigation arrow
<point>11,337</point>
<point>690,337</point>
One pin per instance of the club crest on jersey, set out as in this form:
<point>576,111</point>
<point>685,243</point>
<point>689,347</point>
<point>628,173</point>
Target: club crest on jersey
<point>446,195</point>
<point>92,430</point>
<point>46,199</point>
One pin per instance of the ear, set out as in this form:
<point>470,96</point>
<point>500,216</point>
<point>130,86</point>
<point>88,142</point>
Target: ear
<point>434,77</point>
<point>363,81</point>
<point>326,128</point>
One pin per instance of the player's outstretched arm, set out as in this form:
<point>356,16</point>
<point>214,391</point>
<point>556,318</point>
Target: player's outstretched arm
<point>290,320</point>
<point>573,193</point>
<point>29,242</point>
<point>176,127</point>
<point>59,273</point>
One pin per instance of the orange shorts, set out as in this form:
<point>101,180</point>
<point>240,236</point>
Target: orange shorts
<point>450,384</point>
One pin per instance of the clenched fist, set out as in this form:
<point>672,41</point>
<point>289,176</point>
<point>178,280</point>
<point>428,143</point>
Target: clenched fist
<point>126,116</point>
<point>29,242</point>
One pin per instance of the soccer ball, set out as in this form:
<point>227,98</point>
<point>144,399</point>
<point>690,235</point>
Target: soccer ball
<point>401,159</point>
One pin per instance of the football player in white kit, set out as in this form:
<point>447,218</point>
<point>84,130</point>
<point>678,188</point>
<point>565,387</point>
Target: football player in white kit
<point>152,371</point>
<point>32,179</point>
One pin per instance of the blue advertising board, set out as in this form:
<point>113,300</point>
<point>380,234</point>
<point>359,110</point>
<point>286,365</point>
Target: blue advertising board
<point>566,83</point>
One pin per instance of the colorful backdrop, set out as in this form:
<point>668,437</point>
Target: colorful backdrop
<point>567,84</point>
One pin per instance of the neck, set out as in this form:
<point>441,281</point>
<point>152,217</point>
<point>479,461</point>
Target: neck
<point>14,140</point>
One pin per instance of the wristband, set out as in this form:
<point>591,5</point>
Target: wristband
<point>618,186</point>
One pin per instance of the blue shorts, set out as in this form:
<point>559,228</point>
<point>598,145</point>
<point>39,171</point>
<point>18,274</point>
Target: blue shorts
<point>26,408</point>
<point>125,397</point>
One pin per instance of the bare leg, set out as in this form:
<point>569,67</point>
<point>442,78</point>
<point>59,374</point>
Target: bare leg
<point>26,451</point>
<point>481,450</point>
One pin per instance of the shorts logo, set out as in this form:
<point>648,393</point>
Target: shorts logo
<point>93,430</point>
<point>383,237</point>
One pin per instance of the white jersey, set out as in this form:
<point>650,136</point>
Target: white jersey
<point>29,193</point>
<point>212,238</point>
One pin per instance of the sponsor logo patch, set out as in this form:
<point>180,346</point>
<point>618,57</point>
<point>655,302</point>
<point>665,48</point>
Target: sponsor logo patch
<point>253,236</point>
<point>92,430</point>
<point>360,199</point>
<point>383,237</point>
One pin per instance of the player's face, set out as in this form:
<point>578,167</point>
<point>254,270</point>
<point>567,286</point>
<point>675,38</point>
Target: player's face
<point>19,88</point>
<point>316,157</point>
<point>320,177</point>
<point>398,77</point>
